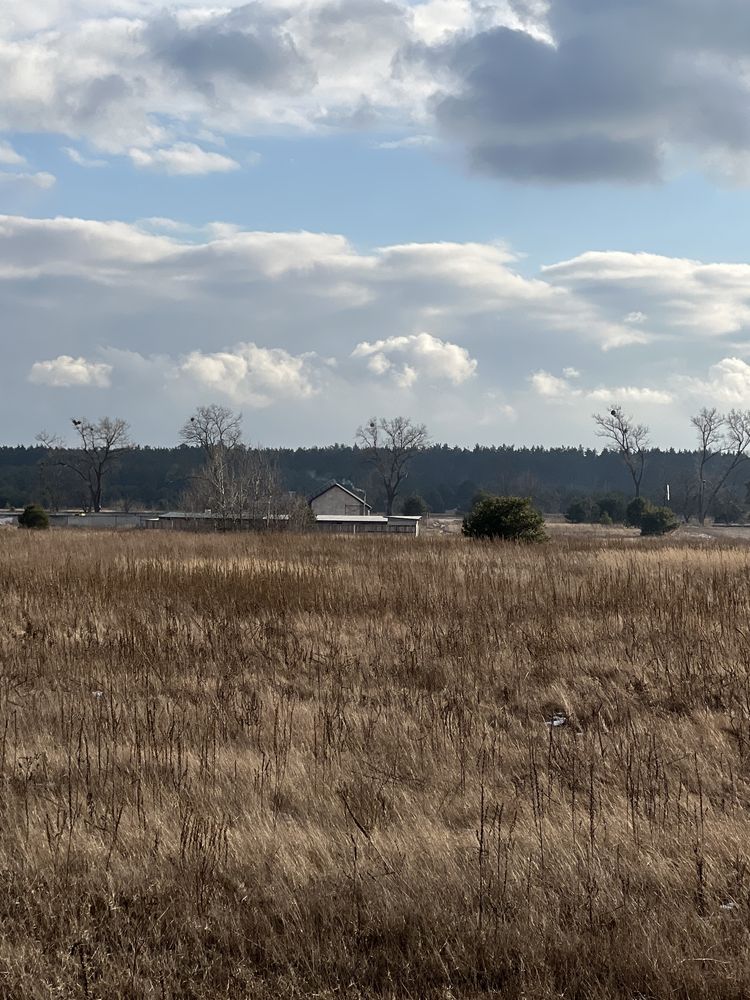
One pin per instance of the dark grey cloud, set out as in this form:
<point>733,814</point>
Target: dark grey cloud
<point>98,94</point>
<point>624,83</point>
<point>248,44</point>
<point>584,158</point>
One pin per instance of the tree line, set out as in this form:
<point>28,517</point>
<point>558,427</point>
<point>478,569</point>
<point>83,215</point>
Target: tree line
<point>212,468</point>
<point>222,475</point>
<point>707,485</point>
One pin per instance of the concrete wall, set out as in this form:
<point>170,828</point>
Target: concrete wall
<point>109,520</point>
<point>337,501</point>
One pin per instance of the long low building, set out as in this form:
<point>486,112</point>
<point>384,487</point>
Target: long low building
<point>341,524</point>
<point>336,524</point>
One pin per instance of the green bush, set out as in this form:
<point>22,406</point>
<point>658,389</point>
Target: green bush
<point>634,512</point>
<point>481,495</point>
<point>658,521</point>
<point>604,518</point>
<point>614,505</point>
<point>509,518</point>
<point>33,517</point>
<point>414,506</point>
<point>579,512</point>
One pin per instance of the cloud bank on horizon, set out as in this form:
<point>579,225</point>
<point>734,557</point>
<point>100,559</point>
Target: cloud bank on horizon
<point>288,326</point>
<point>306,330</point>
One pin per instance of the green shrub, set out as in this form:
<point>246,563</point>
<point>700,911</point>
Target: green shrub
<point>614,505</point>
<point>509,518</point>
<point>579,512</point>
<point>634,512</point>
<point>33,517</point>
<point>658,521</point>
<point>604,518</point>
<point>478,497</point>
<point>414,506</point>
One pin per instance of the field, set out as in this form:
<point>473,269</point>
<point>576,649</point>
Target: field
<point>256,767</point>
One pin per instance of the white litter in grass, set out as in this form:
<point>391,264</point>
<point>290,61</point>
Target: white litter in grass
<point>558,719</point>
<point>729,905</point>
<point>98,694</point>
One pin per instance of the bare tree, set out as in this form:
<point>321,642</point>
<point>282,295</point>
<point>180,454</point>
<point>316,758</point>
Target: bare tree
<point>725,435</point>
<point>217,431</point>
<point>629,439</point>
<point>99,446</point>
<point>213,428</point>
<point>710,427</point>
<point>241,483</point>
<point>390,446</point>
<point>235,481</point>
<point>685,496</point>
<point>54,481</point>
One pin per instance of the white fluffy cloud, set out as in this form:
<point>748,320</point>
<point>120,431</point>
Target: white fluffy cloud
<point>420,355</point>
<point>64,372</point>
<point>130,74</point>
<point>727,383</point>
<point>670,294</point>
<point>183,158</point>
<point>253,375</point>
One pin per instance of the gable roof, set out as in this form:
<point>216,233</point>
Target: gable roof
<point>332,486</point>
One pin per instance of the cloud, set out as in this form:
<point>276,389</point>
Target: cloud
<point>559,389</point>
<point>254,375</point>
<point>64,372</point>
<point>185,315</point>
<point>183,158</point>
<point>408,142</point>
<point>631,394</point>
<point>565,91</point>
<point>420,355</point>
<point>249,45</point>
<point>128,76</point>
<point>553,387</point>
<point>728,383</point>
<point>9,156</point>
<point>674,294</point>
<point>42,180</point>
<point>606,91</point>
<point>83,161</point>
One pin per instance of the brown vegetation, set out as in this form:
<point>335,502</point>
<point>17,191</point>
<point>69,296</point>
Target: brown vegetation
<point>302,766</point>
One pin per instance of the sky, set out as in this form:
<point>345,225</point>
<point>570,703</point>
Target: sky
<point>496,218</point>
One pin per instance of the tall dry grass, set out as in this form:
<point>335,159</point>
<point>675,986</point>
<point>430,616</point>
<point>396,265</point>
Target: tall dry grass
<point>298,766</point>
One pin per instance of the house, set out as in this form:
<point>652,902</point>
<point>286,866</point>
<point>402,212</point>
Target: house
<point>337,499</point>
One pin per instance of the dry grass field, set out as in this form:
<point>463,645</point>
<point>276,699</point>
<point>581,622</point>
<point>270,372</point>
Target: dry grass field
<point>255,767</point>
